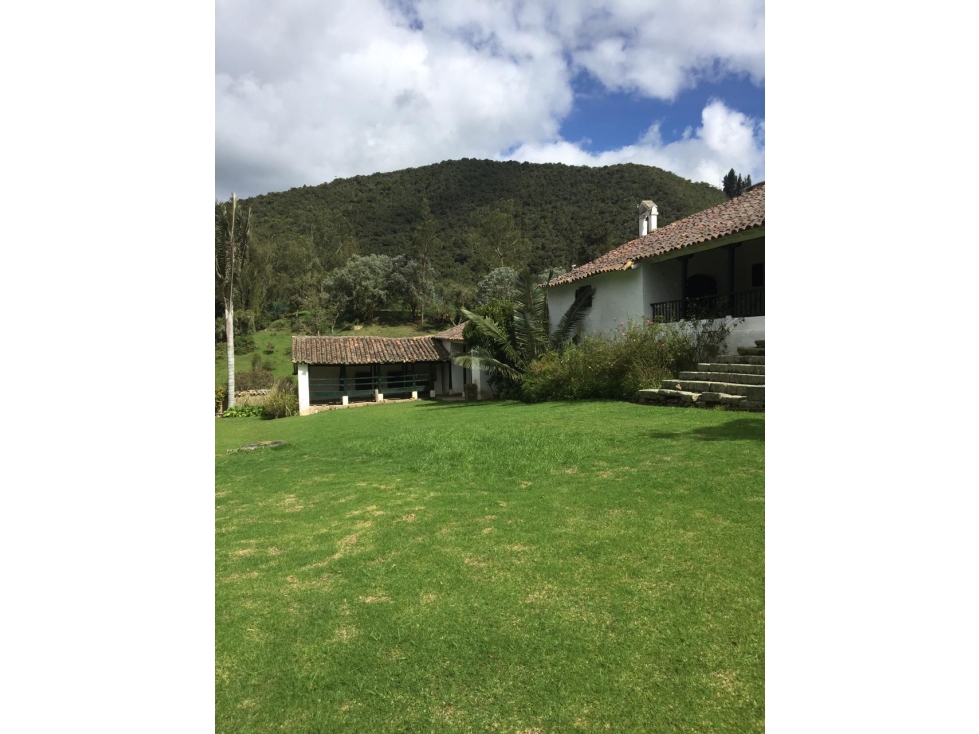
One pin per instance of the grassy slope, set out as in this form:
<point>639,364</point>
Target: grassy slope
<point>282,341</point>
<point>424,567</point>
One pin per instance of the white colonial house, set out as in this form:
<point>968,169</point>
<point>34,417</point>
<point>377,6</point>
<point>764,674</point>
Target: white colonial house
<point>341,369</point>
<point>710,264</point>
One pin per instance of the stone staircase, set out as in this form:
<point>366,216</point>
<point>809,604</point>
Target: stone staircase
<point>736,381</point>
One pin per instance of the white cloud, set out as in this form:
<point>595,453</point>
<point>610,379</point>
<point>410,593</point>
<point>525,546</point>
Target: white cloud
<point>726,139</point>
<point>306,92</point>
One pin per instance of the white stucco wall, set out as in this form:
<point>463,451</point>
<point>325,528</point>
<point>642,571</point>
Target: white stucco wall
<point>745,334</point>
<point>618,295</point>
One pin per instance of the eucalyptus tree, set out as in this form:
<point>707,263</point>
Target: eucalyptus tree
<point>426,245</point>
<point>232,234</point>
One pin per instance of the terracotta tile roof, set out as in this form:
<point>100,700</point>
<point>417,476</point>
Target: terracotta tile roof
<point>453,335</point>
<point>740,213</point>
<point>367,350</point>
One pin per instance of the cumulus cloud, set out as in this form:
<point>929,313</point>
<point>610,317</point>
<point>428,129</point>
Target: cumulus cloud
<point>726,138</point>
<point>309,91</point>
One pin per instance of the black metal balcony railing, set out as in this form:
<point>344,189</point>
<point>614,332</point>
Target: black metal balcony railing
<point>331,388</point>
<point>743,304</point>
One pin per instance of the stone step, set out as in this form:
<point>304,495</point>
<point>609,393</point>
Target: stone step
<point>760,343</point>
<point>751,351</point>
<point>684,395</point>
<point>704,399</point>
<point>740,359</point>
<point>720,398</point>
<point>738,379</point>
<point>699,386</point>
<point>740,369</point>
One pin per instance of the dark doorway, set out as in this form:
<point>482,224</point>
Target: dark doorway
<point>699,286</point>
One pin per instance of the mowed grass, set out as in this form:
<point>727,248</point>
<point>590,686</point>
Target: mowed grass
<point>587,566</point>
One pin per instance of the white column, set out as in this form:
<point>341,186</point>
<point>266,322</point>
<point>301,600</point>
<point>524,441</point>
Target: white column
<point>478,382</point>
<point>414,395</point>
<point>303,388</point>
<point>345,401</point>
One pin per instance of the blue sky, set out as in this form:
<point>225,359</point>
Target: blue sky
<point>308,92</point>
<point>605,120</point>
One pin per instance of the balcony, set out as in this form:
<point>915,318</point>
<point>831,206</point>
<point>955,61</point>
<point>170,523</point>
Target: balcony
<point>738,305</point>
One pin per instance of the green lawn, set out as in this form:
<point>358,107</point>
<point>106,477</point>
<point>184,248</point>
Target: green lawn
<point>589,566</point>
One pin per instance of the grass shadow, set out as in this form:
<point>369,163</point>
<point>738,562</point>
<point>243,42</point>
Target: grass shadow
<point>431,405</point>
<point>739,429</point>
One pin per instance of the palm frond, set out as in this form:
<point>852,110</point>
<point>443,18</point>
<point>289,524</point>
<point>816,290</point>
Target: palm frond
<point>482,360</point>
<point>530,319</point>
<point>495,333</point>
<point>571,318</point>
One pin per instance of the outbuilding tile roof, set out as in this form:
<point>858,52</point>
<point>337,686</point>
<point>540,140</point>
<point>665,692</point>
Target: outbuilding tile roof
<point>737,215</point>
<point>453,335</point>
<point>367,350</point>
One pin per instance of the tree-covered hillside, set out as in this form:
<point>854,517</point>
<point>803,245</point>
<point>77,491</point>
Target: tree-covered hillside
<point>568,214</point>
<point>451,223</point>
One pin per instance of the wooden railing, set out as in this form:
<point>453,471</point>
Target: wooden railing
<point>742,304</point>
<point>331,388</point>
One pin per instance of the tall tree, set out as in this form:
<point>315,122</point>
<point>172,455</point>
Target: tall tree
<point>730,184</point>
<point>426,245</point>
<point>362,284</point>
<point>496,240</point>
<point>232,233</point>
<point>501,284</point>
<point>255,280</point>
<point>734,185</point>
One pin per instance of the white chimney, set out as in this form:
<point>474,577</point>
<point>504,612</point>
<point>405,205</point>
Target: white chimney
<point>647,217</point>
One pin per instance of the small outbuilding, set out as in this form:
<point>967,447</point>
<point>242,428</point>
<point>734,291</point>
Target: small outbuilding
<point>340,369</point>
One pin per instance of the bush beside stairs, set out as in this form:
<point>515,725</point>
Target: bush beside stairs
<point>736,381</point>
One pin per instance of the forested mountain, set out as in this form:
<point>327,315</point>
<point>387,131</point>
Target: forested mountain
<point>457,220</point>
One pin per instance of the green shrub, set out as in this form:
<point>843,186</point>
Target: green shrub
<point>638,356</point>
<point>256,361</point>
<point>244,343</point>
<point>269,348</point>
<point>268,365</point>
<point>243,411</point>
<point>220,396</point>
<point>255,380</point>
<point>282,402</point>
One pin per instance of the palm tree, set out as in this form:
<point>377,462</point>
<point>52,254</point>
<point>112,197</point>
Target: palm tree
<point>231,238</point>
<point>508,356</point>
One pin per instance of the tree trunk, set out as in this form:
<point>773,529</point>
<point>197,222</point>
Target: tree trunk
<point>229,327</point>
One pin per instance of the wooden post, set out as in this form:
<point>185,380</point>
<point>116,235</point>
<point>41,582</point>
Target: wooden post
<point>730,278</point>
<point>683,286</point>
